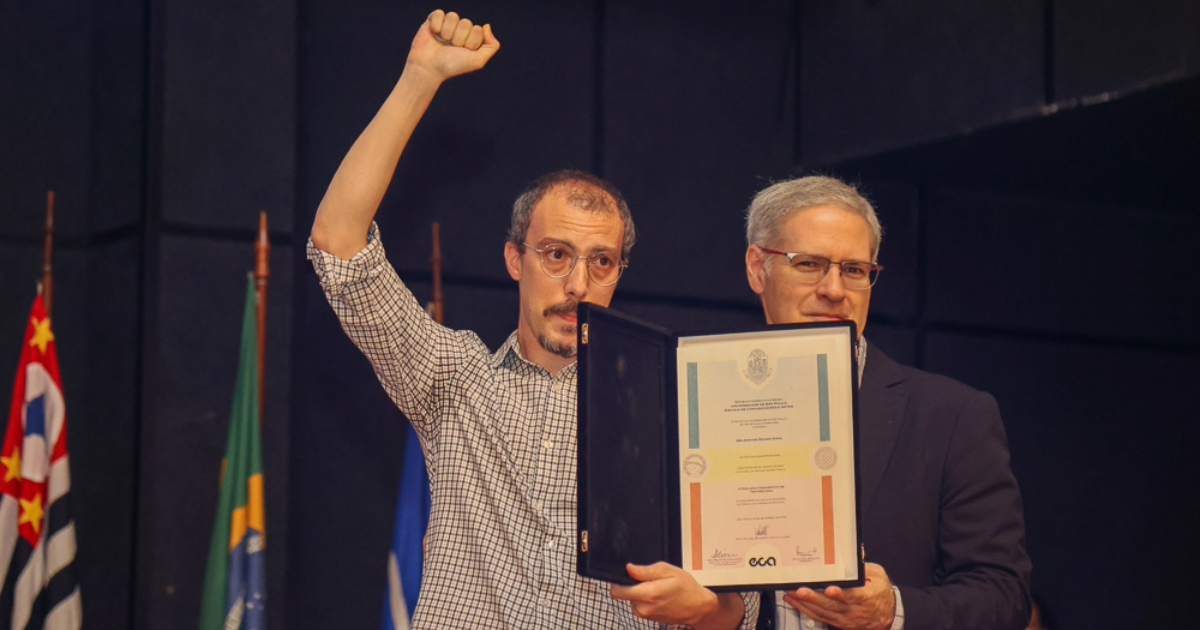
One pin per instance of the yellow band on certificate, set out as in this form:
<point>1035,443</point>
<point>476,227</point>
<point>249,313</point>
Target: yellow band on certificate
<point>759,463</point>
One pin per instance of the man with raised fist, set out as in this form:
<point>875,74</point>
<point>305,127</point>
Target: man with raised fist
<point>498,429</point>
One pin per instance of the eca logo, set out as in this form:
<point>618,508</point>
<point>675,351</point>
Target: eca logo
<point>762,562</point>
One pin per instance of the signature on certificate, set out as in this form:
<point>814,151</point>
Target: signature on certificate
<point>807,554</point>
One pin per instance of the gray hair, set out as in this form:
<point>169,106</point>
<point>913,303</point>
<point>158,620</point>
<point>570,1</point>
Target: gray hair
<point>773,205</point>
<point>584,191</point>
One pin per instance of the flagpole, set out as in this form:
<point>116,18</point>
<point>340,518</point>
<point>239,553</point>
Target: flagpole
<point>47,286</point>
<point>436,263</point>
<point>262,271</point>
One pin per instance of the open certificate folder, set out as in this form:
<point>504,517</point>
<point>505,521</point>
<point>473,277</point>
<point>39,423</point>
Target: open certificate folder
<point>731,454</point>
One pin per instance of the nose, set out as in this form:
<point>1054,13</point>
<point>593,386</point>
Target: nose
<point>577,280</point>
<point>831,287</point>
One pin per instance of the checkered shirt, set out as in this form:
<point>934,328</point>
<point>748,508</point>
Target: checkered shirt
<point>499,439</point>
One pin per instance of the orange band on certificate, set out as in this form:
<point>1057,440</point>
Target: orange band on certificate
<point>827,510</point>
<point>697,544</point>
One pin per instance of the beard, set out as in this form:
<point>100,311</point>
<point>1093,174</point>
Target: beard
<point>564,350</point>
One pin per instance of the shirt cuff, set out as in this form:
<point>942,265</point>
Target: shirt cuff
<point>898,620</point>
<point>335,273</point>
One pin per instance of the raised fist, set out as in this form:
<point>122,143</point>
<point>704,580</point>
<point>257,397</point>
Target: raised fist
<point>447,46</point>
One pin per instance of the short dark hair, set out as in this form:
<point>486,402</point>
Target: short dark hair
<point>586,191</point>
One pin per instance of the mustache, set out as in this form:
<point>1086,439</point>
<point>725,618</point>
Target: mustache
<point>564,308</point>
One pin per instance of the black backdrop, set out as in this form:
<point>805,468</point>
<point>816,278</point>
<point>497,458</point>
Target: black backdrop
<point>1033,163</point>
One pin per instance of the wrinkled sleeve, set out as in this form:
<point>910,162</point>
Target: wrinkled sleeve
<point>983,571</point>
<point>412,355</point>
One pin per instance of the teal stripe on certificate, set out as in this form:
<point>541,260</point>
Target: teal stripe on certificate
<point>823,393</point>
<point>693,405</point>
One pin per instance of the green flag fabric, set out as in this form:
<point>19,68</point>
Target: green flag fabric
<point>234,586</point>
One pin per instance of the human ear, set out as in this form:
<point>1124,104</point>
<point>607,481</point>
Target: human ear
<point>512,260</point>
<point>756,272</point>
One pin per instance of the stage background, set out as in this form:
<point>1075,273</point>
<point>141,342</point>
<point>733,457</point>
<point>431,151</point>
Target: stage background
<point>1034,163</point>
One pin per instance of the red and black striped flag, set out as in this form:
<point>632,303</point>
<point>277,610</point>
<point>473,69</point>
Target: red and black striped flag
<point>37,533</point>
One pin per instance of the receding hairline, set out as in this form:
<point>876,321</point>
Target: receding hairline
<point>579,190</point>
<point>583,195</point>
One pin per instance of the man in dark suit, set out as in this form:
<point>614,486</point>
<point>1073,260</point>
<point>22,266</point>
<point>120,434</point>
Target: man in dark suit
<point>942,522</point>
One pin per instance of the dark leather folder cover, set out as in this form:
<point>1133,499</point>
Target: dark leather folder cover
<point>628,493</point>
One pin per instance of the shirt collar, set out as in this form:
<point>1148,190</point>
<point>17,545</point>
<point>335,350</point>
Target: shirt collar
<point>512,347</point>
<point>860,351</point>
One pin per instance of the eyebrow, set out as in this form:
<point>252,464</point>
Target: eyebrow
<point>560,241</point>
<point>848,260</point>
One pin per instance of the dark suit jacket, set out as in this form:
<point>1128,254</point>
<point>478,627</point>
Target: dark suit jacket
<point>941,511</point>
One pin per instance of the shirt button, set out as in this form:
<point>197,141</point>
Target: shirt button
<point>547,444</point>
<point>549,544</point>
<point>810,623</point>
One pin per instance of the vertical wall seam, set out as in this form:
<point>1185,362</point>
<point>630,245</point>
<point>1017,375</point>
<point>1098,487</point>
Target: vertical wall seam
<point>1048,53</point>
<point>920,317</point>
<point>598,121</point>
<point>299,323</point>
<point>146,294</point>
<point>797,38</point>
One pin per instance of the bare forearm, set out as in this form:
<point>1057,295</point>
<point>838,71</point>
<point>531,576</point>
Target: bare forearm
<point>445,46</point>
<point>358,187</point>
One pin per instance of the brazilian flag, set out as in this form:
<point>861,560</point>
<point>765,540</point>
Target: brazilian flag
<point>234,588</point>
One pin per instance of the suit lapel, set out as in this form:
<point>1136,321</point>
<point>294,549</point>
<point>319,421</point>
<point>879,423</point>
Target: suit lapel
<point>881,405</point>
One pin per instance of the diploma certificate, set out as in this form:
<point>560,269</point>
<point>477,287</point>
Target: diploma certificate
<point>766,455</point>
<point>728,454</point>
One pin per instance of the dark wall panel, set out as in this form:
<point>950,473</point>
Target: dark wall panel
<point>894,296</point>
<point>189,381</point>
<point>1113,45</point>
<point>118,90</point>
<point>347,446</point>
<point>103,430</point>
<point>45,109</point>
<point>880,75</point>
<point>1140,150</point>
<point>229,102</point>
<point>20,270</point>
<point>1061,268</point>
<point>1101,443</point>
<point>483,139</point>
<point>692,130</point>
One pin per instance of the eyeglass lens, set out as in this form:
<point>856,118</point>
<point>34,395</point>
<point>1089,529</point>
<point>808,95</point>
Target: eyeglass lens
<point>558,261</point>
<point>854,275</point>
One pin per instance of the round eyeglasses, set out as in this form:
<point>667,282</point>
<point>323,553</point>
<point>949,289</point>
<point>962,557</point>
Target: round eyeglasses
<point>558,261</point>
<point>810,269</point>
